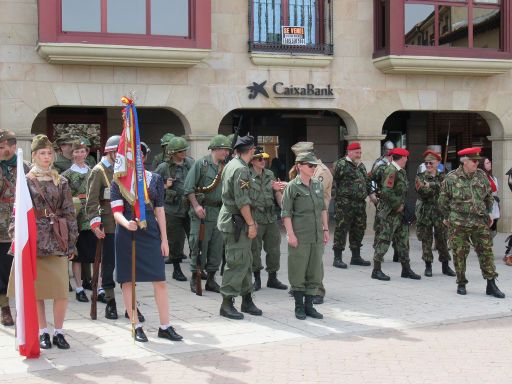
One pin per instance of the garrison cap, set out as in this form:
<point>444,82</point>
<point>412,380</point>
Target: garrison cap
<point>307,157</point>
<point>400,152</point>
<point>471,153</point>
<point>6,135</point>
<point>260,152</point>
<point>78,144</point>
<point>244,142</point>
<point>40,142</point>
<point>302,146</point>
<point>353,146</point>
<point>431,155</point>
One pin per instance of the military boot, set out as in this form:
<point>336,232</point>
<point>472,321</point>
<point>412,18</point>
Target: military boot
<point>428,269</point>
<point>249,307</point>
<point>7,317</point>
<point>257,281</point>
<point>461,289</point>
<point>408,273</point>
<point>273,282</point>
<point>493,290</point>
<point>227,309</point>
<point>338,262</point>
<point>111,310</point>
<point>211,284</point>
<point>447,270</point>
<point>300,310</point>
<point>357,259</point>
<point>177,274</point>
<point>377,272</point>
<point>310,310</point>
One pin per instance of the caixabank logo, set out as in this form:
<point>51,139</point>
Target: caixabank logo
<point>280,90</point>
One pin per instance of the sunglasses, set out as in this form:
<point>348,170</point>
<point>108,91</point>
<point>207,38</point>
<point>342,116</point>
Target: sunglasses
<point>309,165</point>
<point>429,163</point>
<point>260,159</point>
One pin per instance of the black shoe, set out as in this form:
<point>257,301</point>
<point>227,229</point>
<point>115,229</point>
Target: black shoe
<point>378,274</point>
<point>60,341</point>
<point>211,285</point>
<point>447,270</point>
<point>317,299</point>
<point>177,274</point>
<point>140,336</point>
<point>461,289</point>
<point>300,310</point>
<point>44,341</point>
<point>428,269</point>
<point>101,298</point>
<point>273,282</point>
<point>338,261</point>
<point>111,310</point>
<point>169,333</point>
<point>140,316</point>
<point>227,309</point>
<point>87,285</point>
<point>82,297</point>
<point>204,275</point>
<point>408,273</point>
<point>357,259</point>
<point>310,310</point>
<point>249,307</point>
<point>493,290</point>
<point>256,286</point>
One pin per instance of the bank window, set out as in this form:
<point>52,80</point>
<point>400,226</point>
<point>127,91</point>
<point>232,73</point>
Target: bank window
<point>311,22</point>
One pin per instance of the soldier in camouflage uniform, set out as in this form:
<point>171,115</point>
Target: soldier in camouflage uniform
<point>390,210</point>
<point>352,188</point>
<point>204,190</point>
<point>429,216</point>
<point>466,202</point>
<point>174,172</point>
<point>64,158</point>
<point>160,157</point>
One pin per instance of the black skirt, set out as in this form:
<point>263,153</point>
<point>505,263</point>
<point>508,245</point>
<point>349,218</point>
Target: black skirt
<point>149,262</point>
<point>85,247</point>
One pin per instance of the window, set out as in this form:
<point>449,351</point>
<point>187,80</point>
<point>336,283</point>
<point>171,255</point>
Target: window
<point>268,17</point>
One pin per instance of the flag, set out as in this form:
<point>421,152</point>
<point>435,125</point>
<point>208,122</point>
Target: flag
<point>129,169</point>
<point>25,272</point>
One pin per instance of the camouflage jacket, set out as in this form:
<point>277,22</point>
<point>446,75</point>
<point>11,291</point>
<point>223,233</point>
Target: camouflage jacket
<point>393,192</point>
<point>376,174</point>
<point>351,180</point>
<point>427,206</point>
<point>176,203</point>
<point>78,185</point>
<point>262,197</point>
<point>466,200</point>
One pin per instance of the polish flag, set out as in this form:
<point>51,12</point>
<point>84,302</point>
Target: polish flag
<point>25,250</point>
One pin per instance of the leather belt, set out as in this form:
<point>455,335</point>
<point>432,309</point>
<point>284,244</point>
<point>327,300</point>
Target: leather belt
<point>46,213</point>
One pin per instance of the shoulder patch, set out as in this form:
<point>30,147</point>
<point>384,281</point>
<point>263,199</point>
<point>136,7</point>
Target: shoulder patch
<point>390,181</point>
<point>244,184</point>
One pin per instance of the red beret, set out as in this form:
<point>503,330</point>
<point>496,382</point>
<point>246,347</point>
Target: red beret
<point>473,153</point>
<point>432,153</point>
<point>399,152</point>
<point>353,146</point>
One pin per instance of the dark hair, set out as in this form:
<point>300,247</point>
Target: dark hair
<point>396,157</point>
<point>482,166</point>
<point>11,141</point>
<point>244,149</point>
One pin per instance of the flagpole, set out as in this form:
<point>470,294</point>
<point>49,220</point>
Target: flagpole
<point>134,313</point>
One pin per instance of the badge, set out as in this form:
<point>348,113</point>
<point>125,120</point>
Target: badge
<point>244,184</point>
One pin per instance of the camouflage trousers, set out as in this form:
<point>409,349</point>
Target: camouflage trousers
<point>392,229</point>
<point>439,232</point>
<point>350,219</point>
<point>460,239</point>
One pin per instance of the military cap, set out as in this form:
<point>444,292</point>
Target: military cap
<point>307,157</point>
<point>244,142</point>
<point>471,153</point>
<point>260,152</point>
<point>177,144</point>
<point>6,135</point>
<point>78,144</point>
<point>302,146</point>
<point>353,146</point>
<point>85,140</point>
<point>65,139</point>
<point>399,151</point>
<point>431,155</point>
<point>40,142</point>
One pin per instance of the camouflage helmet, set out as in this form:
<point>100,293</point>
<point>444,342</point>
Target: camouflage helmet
<point>176,144</point>
<point>112,143</point>
<point>219,142</point>
<point>165,139</point>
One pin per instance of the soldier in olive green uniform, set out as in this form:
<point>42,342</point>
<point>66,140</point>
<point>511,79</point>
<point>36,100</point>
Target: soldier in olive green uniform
<point>204,190</point>
<point>161,157</point>
<point>429,217</point>
<point>466,202</point>
<point>305,219</point>
<point>352,188</point>
<point>64,159</point>
<point>390,211</point>
<point>174,172</point>
<point>263,189</point>
<point>238,229</point>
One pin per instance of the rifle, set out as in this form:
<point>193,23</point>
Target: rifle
<point>199,288</point>
<point>95,277</point>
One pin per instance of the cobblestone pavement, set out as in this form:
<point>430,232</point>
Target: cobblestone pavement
<point>400,331</point>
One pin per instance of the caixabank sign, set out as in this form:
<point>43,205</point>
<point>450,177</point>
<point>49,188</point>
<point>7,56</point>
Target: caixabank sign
<point>280,90</point>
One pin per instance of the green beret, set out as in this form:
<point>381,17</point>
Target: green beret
<point>40,142</point>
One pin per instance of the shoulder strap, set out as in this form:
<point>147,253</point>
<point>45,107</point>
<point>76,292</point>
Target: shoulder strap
<point>102,169</point>
<point>40,191</point>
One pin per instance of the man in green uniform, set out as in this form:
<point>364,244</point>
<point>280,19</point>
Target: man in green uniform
<point>64,159</point>
<point>352,188</point>
<point>160,157</point>
<point>466,202</point>
<point>390,211</point>
<point>238,229</point>
<point>174,172</point>
<point>204,190</point>
<point>429,217</point>
<point>263,188</point>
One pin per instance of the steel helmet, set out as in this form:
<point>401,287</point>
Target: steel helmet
<point>176,144</point>
<point>165,139</point>
<point>112,143</point>
<point>219,142</point>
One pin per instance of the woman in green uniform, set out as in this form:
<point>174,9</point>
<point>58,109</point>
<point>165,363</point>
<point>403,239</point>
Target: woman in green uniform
<point>305,219</point>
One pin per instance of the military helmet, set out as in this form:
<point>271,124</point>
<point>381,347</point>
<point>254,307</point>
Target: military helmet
<point>219,142</point>
<point>165,139</point>
<point>388,145</point>
<point>112,143</point>
<point>176,144</point>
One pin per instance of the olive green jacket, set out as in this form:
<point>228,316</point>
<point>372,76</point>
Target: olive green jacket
<point>262,197</point>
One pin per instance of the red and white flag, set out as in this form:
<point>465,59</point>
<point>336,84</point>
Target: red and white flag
<point>25,251</point>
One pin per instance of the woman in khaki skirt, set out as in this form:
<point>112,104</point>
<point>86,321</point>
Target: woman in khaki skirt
<point>56,236</point>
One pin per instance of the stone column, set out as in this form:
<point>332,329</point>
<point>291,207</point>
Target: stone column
<point>199,143</point>
<point>501,163</point>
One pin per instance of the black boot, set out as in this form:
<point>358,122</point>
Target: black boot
<point>228,310</point>
<point>461,289</point>
<point>273,281</point>
<point>310,310</point>
<point>493,290</point>
<point>193,280</point>
<point>377,272</point>
<point>396,258</point>
<point>428,269</point>
<point>177,274</point>
<point>300,310</point>
<point>211,285</point>
<point>408,273</point>
<point>249,307</point>
<point>317,299</point>
<point>357,259</point>
<point>257,281</point>
<point>338,262</point>
<point>447,270</point>
<point>111,310</point>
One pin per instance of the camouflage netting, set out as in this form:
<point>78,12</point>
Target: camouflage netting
<point>77,131</point>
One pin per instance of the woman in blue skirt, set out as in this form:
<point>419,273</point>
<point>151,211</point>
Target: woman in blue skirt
<point>151,248</point>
